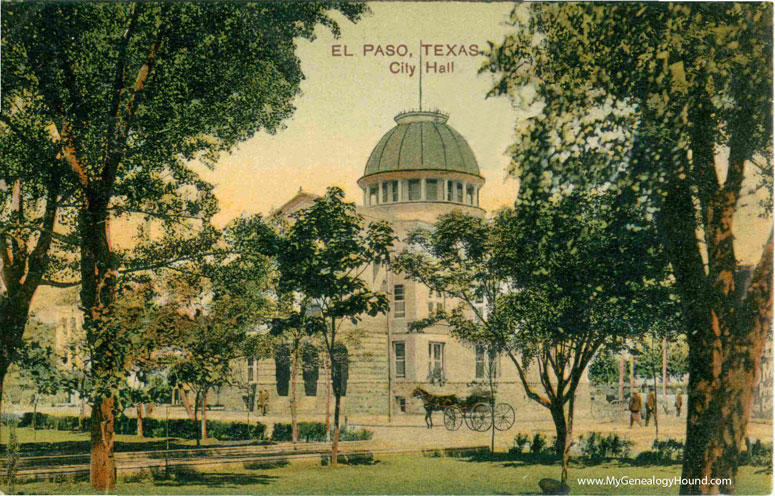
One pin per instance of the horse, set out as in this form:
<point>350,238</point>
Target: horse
<point>433,403</point>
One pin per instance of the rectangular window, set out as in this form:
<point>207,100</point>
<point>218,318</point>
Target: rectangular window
<point>394,190</point>
<point>459,189</point>
<point>399,301</point>
<point>431,189</point>
<point>470,195</point>
<point>401,401</point>
<point>415,193</point>
<point>430,309</point>
<point>485,363</point>
<point>450,189</point>
<point>385,192</point>
<point>399,354</point>
<point>439,307</point>
<point>372,195</point>
<point>436,359</point>
<point>480,362</point>
<point>252,370</point>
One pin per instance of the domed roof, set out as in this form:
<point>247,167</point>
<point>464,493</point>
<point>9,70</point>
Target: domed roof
<point>422,140</point>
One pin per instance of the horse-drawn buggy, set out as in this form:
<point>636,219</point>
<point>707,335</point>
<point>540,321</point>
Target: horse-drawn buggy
<point>475,411</point>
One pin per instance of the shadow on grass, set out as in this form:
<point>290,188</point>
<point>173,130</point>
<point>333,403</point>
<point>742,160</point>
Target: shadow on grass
<point>188,477</point>
<point>514,460</point>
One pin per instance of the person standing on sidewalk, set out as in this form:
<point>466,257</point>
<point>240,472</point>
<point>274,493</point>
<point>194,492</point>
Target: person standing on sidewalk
<point>679,401</point>
<point>635,406</point>
<point>651,407</point>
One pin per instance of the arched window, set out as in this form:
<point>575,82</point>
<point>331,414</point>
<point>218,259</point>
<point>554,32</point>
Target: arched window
<point>341,367</point>
<point>310,369</point>
<point>282,369</point>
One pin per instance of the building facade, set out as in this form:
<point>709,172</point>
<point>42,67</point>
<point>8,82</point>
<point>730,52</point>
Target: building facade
<point>420,169</point>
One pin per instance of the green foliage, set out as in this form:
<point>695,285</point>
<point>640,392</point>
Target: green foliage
<point>12,457</point>
<point>604,369</point>
<point>316,432</point>
<point>319,259</point>
<point>665,452</point>
<point>519,444</point>
<point>597,447</point>
<point>124,98</point>
<point>757,453</point>
<point>538,444</point>
<point>152,427</point>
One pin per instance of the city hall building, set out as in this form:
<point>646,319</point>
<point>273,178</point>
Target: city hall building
<point>420,169</point>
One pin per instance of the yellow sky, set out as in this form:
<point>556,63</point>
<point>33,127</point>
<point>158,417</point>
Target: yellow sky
<point>348,103</point>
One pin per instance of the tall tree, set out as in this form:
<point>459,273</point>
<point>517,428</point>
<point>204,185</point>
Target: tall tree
<point>321,258</point>
<point>37,238</point>
<point>698,79</point>
<point>131,93</point>
<point>558,280</point>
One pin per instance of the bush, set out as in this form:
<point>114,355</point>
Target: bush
<point>519,444</point>
<point>312,432</point>
<point>349,434</point>
<point>152,427</point>
<point>538,444</point>
<point>757,454</point>
<point>597,447</point>
<point>661,453</point>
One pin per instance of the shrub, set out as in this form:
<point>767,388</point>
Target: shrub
<point>598,447</point>
<point>519,444</point>
<point>152,427</point>
<point>662,453</point>
<point>350,434</point>
<point>758,454</point>
<point>538,444</point>
<point>311,432</point>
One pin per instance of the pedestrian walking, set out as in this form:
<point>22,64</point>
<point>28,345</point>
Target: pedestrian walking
<point>635,406</point>
<point>679,401</point>
<point>651,407</point>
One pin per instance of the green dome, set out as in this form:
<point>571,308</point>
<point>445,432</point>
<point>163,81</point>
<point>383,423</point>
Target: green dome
<point>422,140</point>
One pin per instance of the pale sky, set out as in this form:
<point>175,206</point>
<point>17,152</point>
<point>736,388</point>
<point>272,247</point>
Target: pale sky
<point>348,103</point>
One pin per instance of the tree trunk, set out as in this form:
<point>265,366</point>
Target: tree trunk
<point>14,312</point>
<point>335,444</point>
<point>196,417</point>
<point>187,403</point>
<point>294,371</point>
<point>98,292</point>
<point>103,464</point>
<point>140,414</point>
<point>34,419</point>
<point>2,380</point>
<point>621,378</point>
<point>204,415</point>
<point>328,399</point>
<point>726,328</point>
<point>557,409</point>
<point>664,370</point>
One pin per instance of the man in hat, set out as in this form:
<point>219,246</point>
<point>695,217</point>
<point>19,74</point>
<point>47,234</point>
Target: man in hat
<point>679,401</point>
<point>651,407</point>
<point>635,406</point>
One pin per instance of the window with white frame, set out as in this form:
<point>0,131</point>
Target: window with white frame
<point>436,359</point>
<point>482,365</point>
<point>399,301</point>
<point>399,357</point>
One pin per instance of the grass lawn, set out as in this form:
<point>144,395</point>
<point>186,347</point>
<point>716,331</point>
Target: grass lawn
<point>397,474</point>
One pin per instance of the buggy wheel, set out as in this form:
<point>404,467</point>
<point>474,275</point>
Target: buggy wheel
<point>504,417</point>
<point>480,417</point>
<point>453,418</point>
